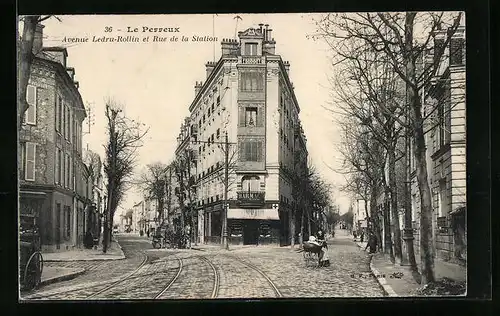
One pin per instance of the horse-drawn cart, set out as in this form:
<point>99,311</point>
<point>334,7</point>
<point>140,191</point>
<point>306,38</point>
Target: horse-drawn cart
<point>31,260</point>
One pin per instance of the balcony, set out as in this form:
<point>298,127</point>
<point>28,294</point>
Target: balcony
<point>251,198</point>
<point>251,60</point>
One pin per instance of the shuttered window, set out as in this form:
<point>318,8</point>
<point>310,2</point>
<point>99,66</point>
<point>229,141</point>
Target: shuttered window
<point>59,114</point>
<point>252,81</point>
<point>457,51</point>
<point>29,174</point>
<point>30,114</point>
<point>23,158</point>
<point>251,151</point>
<point>56,171</point>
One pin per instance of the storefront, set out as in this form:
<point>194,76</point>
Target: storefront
<point>253,226</point>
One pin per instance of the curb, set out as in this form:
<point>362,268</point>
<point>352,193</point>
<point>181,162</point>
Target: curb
<point>388,290</point>
<point>119,257</point>
<point>63,277</point>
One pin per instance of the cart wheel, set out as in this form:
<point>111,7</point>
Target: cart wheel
<point>33,271</point>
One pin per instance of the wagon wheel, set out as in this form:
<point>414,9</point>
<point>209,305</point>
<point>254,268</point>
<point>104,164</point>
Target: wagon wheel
<point>33,271</point>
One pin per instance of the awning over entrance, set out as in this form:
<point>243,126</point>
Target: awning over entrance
<point>265,214</point>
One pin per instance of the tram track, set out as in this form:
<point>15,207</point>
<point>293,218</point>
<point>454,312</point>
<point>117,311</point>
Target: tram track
<point>260,272</point>
<point>96,284</point>
<point>188,278</point>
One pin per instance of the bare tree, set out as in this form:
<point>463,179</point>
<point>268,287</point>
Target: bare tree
<point>153,182</point>
<point>402,38</point>
<point>124,138</point>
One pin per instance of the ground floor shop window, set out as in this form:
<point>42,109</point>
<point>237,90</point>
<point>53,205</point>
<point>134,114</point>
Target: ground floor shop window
<point>67,222</point>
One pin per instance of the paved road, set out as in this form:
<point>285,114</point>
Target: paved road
<point>244,272</point>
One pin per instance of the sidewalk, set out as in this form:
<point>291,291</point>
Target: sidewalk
<point>114,252</point>
<point>399,281</point>
<point>57,274</point>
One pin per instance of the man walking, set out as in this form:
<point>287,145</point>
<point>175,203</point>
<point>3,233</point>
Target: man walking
<point>372,243</point>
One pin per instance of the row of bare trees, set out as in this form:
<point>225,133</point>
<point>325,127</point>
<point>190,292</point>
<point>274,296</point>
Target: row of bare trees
<point>380,80</point>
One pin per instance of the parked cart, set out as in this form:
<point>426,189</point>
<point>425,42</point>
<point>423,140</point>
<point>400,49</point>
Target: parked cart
<point>31,260</point>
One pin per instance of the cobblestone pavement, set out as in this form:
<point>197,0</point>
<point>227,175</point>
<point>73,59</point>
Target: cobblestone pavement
<point>97,273</point>
<point>236,274</point>
<point>347,276</point>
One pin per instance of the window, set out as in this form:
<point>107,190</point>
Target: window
<point>59,114</point>
<point>251,49</point>
<point>213,107</point>
<point>444,117</point>
<point>251,151</point>
<point>61,168</point>
<point>29,168</point>
<point>203,118</point>
<point>70,173</point>
<point>250,183</point>
<point>218,100</point>
<point>70,125</point>
<point>67,217</point>
<point>251,116</point>
<point>438,46</point>
<point>457,46</point>
<point>218,133</point>
<point>252,81</point>
<point>414,207</point>
<point>208,112</point>
<point>56,171</point>
<point>30,114</point>
<point>442,200</point>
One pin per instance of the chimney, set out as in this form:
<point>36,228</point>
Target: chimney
<point>38,40</point>
<point>71,72</point>
<point>260,27</point>
<point>269,38</point>
<point>229,46</point>
<point>269,47</point>
<point>266,37</point>
<point>197,88</point>
<point>210,67</point>
<point>287,67</point>
<point>77,84</point>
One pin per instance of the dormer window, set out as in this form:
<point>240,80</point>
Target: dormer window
<point>250,49</point>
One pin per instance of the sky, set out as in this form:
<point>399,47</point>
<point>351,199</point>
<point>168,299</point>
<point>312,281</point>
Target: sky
<point>154,81</point>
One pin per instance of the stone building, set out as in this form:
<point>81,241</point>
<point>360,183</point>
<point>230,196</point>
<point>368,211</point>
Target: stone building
<point>446,148</point>
<point>248,96</point>
<point>51,167</point>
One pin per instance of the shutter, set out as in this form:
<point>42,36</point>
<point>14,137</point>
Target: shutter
<point>241,151</point>
<point>57,114</point>
<point>56,174</point>
<point>241,110</point>
<point>260,116</point>
<point>30,162</point>
<point>31,99</point>
<point>259,151</point>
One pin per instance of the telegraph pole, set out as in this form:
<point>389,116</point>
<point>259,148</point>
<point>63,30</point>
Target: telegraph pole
<point>226,184</point>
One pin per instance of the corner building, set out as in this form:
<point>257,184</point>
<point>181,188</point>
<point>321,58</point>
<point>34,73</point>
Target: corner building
<point>247,95</point>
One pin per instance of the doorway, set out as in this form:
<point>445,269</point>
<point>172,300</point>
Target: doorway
<point>250,232</point>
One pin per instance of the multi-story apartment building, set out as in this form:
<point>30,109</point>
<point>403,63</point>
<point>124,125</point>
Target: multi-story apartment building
<point>248,96</point>
<point>50,139</point>
<point>446,145</point>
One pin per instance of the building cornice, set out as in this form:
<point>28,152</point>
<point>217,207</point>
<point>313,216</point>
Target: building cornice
<point>208,82</point>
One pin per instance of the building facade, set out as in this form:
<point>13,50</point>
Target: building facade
<point>50,163</point>
<point>446,147</point>
<point>248,97</point>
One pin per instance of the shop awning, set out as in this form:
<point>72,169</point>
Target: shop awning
<point>265,214</point>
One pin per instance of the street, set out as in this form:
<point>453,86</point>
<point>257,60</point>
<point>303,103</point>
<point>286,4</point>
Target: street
<point>210,272</point>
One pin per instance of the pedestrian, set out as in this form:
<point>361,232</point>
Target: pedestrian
<point>355,235</point>
<point>372,242</point>
<point>147,232</point>
<point>362,236</point>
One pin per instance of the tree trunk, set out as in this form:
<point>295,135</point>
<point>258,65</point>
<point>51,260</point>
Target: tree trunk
<point>374,216</point>
<point>24,66</point>
<point>387,227</point>
<point>394,206</point>
<point>426,250</point>
<point>301,238</point>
